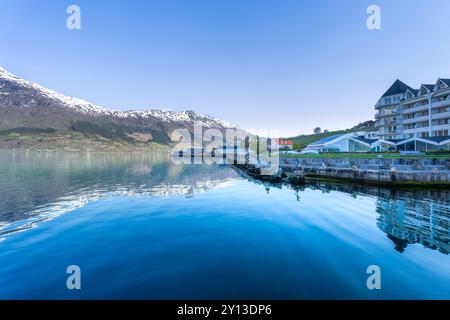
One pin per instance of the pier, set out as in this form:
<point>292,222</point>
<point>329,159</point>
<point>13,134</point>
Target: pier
<point>428,172</point>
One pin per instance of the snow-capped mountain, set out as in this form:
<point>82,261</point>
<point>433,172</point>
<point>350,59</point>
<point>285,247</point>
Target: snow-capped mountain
<point>26,105</point>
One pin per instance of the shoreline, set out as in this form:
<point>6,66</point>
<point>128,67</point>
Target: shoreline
<point>400,172</point>
<point>406,172</point>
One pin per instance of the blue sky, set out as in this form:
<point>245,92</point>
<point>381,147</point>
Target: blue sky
<point>286,64</point>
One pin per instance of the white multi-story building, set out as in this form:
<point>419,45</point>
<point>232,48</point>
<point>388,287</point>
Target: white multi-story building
<point>406,120</point>
<point>406,113</point>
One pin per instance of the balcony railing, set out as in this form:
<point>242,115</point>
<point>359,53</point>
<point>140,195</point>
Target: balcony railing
<point>415,119</point>
<point>441,115</point>
<point>384,122</point>
<point>388,114</point>
<point>440,103</point>
<point>418,126</point>
<point>441,127</point>
<point>415,109</point>
<point>416,130</point>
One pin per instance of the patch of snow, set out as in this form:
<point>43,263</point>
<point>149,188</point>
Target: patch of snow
<point>91,109</point>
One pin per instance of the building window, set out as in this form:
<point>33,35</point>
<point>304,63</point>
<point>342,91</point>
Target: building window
<point>441,98</point>
<point>441,133</point>
<point>440,122</point>
<point>440,110</point>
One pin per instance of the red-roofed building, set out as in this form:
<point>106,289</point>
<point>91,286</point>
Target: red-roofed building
<point>284,144</point>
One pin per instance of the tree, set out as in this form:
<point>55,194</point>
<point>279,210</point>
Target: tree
<point>317,130</point>
<point>297,146</point>
<point>326,131</point>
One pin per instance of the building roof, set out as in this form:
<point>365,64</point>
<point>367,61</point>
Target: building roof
<point>415,92</point>
<point>446,81</point>
<point>365,140</point>
<point>431,140</point>
<point>396,88</point>
<point>429,86</point>
<point>327,139</point>
<point>395,140</point>
<point>371,142</point>
<point>385,141</point>
<point>437,139</point>
<point>285,142</point>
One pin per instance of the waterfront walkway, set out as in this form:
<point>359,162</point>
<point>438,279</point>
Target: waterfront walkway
<point>401,171</point>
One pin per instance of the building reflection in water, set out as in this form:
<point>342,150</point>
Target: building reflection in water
<point>415,220</point>
<point>406,216</point>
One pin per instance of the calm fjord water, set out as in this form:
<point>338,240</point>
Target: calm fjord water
<point>141,227</point>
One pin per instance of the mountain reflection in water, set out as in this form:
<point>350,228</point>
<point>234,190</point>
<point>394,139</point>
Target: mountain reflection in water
<point>141,227</point>
<point>35,187</point>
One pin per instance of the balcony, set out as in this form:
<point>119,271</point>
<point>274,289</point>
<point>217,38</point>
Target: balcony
<point>385,122</point>
<point>387,114</point>
<point>441,103</point>
<point>416,126</point>
<point>415,119</point>
<point>442,115</point>
<point>421,103</point>
<point>441,127</point>
<point>416,130</point>
<point>416,109</point>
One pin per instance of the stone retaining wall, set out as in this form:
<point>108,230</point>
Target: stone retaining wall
<point>384,171</point>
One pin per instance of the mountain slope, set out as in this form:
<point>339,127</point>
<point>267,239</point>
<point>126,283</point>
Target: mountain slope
<point>29,109</point>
